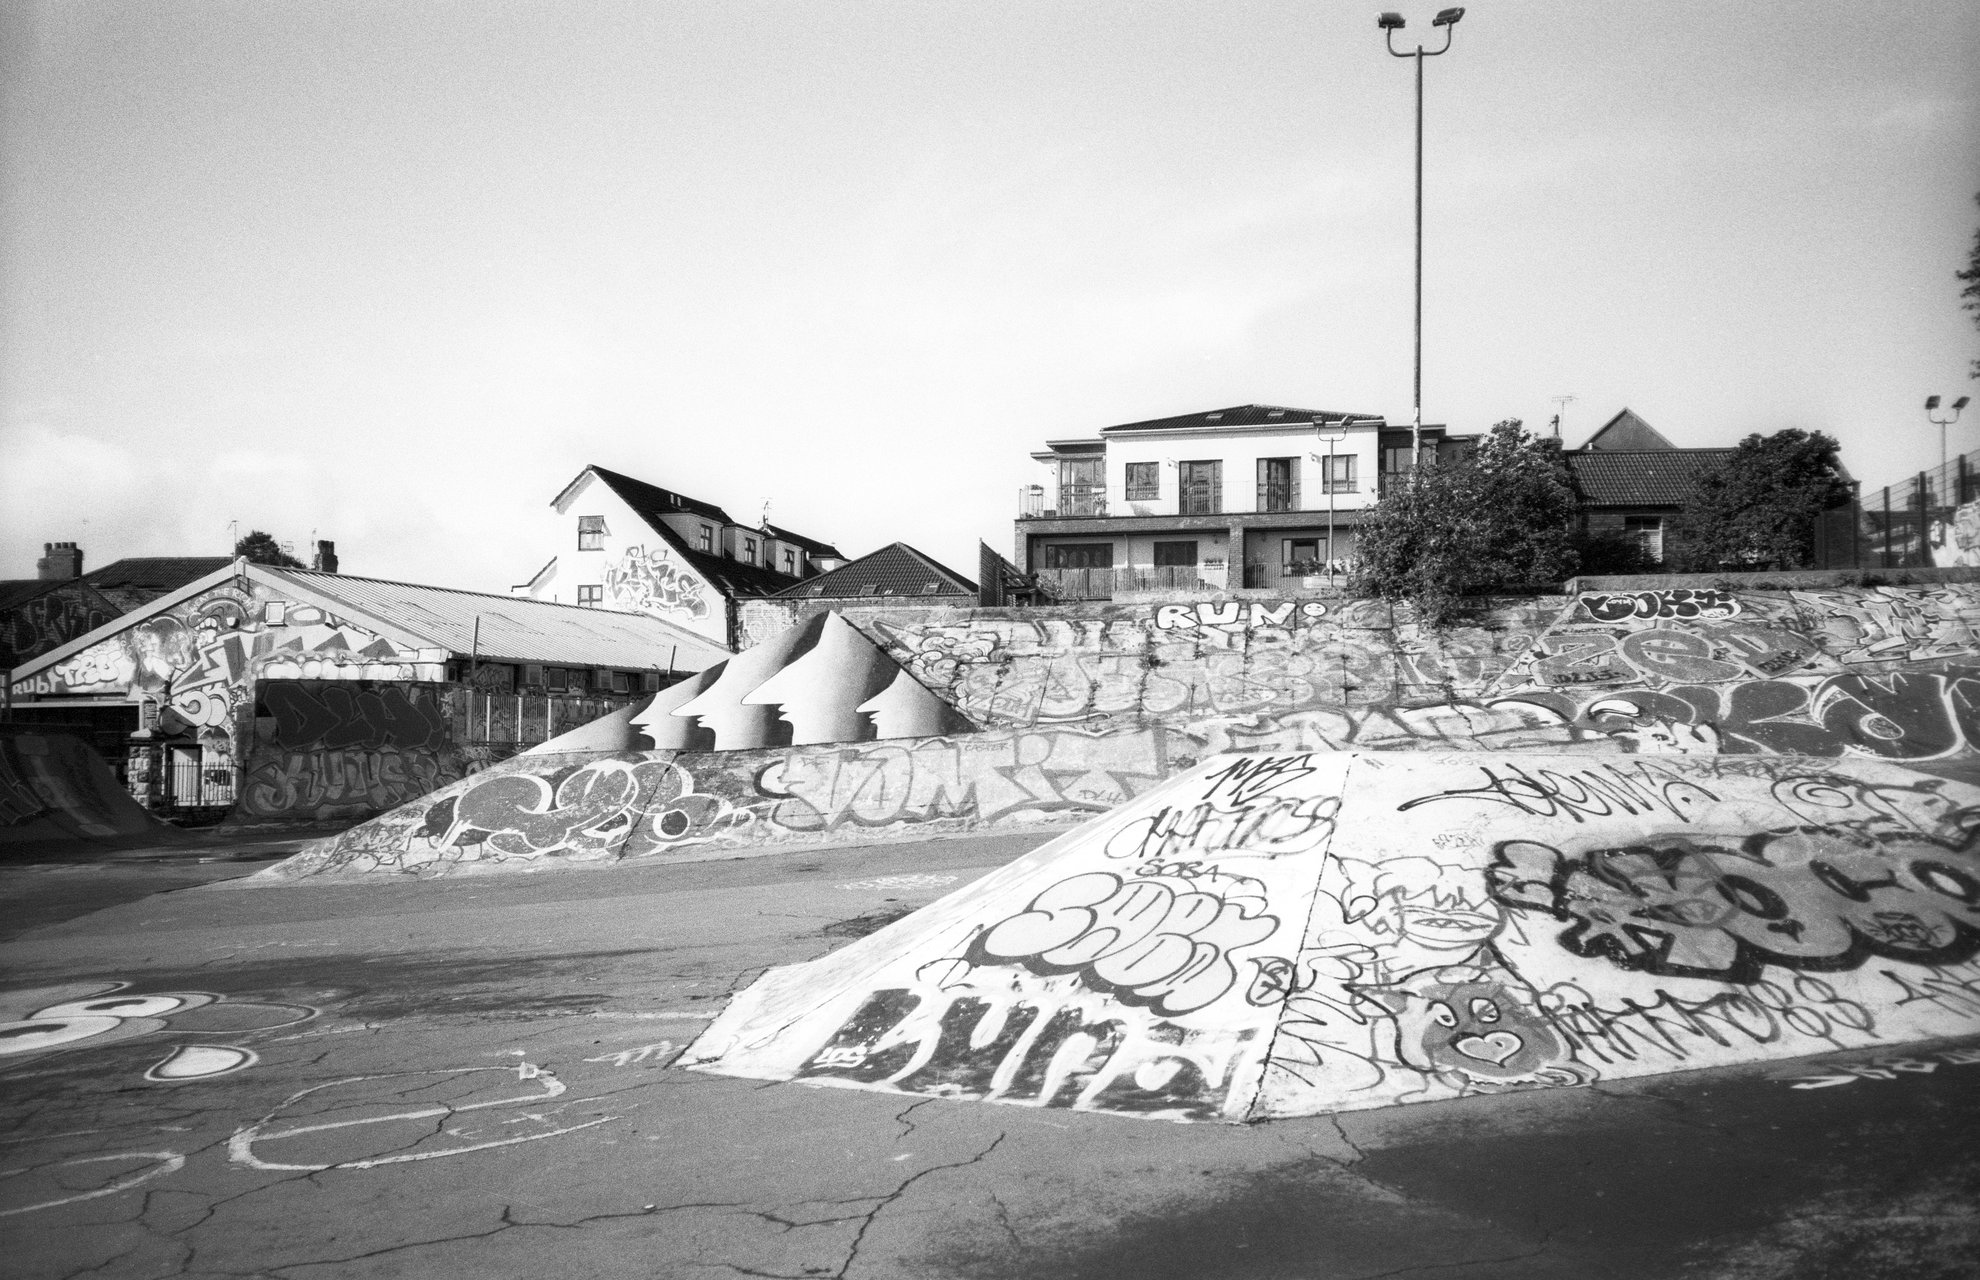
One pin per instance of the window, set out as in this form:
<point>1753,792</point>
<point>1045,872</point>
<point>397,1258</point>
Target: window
<point>1144,481</point>
<point>591,533</point>
<point>591,595</point>
<point>749,551</point>
<point>1202,485</point>
<point>1278,484</point>
<point>790,562</point>
<point>1303,558</point>
<point>1079,555</point>
<point>1339,473</point>
<point>1647,532</point>
<point>1083,486</point>
<point>1177,555</point>
<point>707,537</point>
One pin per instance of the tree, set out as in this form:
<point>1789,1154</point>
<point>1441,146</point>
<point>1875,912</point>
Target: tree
<point>1972,290</point>
<point>1500,519</point>
<point>1756,508</point>
<point>261,548</point>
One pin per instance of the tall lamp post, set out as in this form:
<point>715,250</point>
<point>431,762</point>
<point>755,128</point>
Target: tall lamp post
<point>1332,433</point>
<point>1390,23</point>
<point>1931,415</point>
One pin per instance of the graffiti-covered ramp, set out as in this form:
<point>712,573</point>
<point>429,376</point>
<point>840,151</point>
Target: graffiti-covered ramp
<point>1294,934</point>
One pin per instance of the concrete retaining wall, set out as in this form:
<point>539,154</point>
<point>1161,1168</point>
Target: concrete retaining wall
<point>1082,707</point>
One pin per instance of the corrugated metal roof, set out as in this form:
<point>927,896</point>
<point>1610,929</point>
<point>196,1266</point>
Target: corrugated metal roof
<point>515,628</point>
<point>1243,415</point>
<point>1656,478</point>
<point>894,570</point>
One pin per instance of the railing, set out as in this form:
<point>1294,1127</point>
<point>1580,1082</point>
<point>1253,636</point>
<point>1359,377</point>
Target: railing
<point>1106,584</point>
<point>194,784</point>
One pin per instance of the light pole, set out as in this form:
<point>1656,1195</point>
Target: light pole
<point>1390,23</point>
<point>1333,434</point>
<point>1931,404</point>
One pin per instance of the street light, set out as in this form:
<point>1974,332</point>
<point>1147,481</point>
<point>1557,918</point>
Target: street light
<point>1931,403</point>
<point>1332,433</point>
<point>1390,23</point>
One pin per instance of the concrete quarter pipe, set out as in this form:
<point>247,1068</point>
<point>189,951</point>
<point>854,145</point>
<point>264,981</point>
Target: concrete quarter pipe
<point>1276,935</point>
<point>57,797</point>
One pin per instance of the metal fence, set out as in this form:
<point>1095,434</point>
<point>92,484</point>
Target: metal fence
<point>193,782</point>
<point>1930,520</point>
<point>1106,584</point>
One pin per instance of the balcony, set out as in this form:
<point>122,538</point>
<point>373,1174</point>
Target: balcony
<point>1108,584</point>
<point>1075,501</point>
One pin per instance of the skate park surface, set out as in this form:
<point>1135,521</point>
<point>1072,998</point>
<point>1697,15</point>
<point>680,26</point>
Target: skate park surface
<point>471,1076</point>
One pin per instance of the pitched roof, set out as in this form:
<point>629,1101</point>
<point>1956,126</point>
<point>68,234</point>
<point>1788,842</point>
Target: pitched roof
<point>1626,433</point>
<point>895,570</point>
<point>1649,478</point>
<point>731,577</point>
<point>512,628</point>
<point>782,534</point>
<point>650,500</point>
<point>1243,415</point>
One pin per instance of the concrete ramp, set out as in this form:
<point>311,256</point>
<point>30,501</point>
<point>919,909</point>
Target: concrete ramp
<point>1280,935</point>
<point>57,798</point>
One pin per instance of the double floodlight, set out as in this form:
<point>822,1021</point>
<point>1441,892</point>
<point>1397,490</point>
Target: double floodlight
<point>1444,18</point>
<point>1932,402</point>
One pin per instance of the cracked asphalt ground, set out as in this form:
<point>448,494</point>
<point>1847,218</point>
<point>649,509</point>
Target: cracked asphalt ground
<point>470,1078</point>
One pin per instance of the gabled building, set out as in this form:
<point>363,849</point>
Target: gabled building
<point>1630,480</point>
<point>292,692</point>
<point>62,602</point>
<point>628,545</point>
<point>1252,496</point>
<point>895,574</point>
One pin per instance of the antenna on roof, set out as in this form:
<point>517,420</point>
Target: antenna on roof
<point>765,521</point>
<point>1560,410</point>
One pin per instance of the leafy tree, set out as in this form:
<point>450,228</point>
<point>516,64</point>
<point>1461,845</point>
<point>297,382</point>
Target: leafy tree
<point>1611,551</point>
<point>1499,519</point>
<point>1756,508</point>
<point>1972,290</point>
<point>261,548</point>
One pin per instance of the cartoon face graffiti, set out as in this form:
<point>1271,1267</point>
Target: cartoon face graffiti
<point>1420,913</point>
<point>1474,1035</point>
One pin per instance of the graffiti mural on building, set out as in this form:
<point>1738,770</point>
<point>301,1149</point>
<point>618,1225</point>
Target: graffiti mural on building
<point>643,581</point>
<point>50,620</point>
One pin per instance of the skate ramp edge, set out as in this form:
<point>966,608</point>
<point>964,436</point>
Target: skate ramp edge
<point>1285,935</point>
<point>58,798</point>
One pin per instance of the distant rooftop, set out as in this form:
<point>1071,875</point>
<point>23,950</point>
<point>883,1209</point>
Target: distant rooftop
<point>1243,415</point>
<point>894,571</point>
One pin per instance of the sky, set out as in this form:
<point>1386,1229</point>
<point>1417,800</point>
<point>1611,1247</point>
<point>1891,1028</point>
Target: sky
<point>392,273</point>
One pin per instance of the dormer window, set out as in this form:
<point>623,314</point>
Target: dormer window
<point>749,550</point>
<point>591,533</point>
<point>708,537</point>
<point>790,562</point>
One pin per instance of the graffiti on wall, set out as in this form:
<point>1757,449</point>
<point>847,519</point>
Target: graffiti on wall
<point>199,661</point>
<point>1955,538</point>
<point>325,749</point>
<point>1409,953</point>
<point>50,620</point>
<point>643,581</point>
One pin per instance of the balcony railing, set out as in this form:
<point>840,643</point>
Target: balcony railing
<point>1107,584</point>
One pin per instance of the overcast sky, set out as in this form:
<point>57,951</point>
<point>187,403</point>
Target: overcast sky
<point>391,273</point>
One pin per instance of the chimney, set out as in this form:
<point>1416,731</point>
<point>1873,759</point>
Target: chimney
<point>326,556</point>
<point>62,561</point>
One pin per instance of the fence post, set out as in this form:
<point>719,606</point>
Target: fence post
<point>1887,527</point>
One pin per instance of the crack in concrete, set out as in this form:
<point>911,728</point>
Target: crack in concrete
<point>859,1237</point>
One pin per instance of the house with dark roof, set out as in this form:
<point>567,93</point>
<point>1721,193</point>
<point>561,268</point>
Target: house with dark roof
<point>1630,480</point>
<point>1255,495</point>
<point>895,574</point>
<point>62,602</point>
<point>628,545</point>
